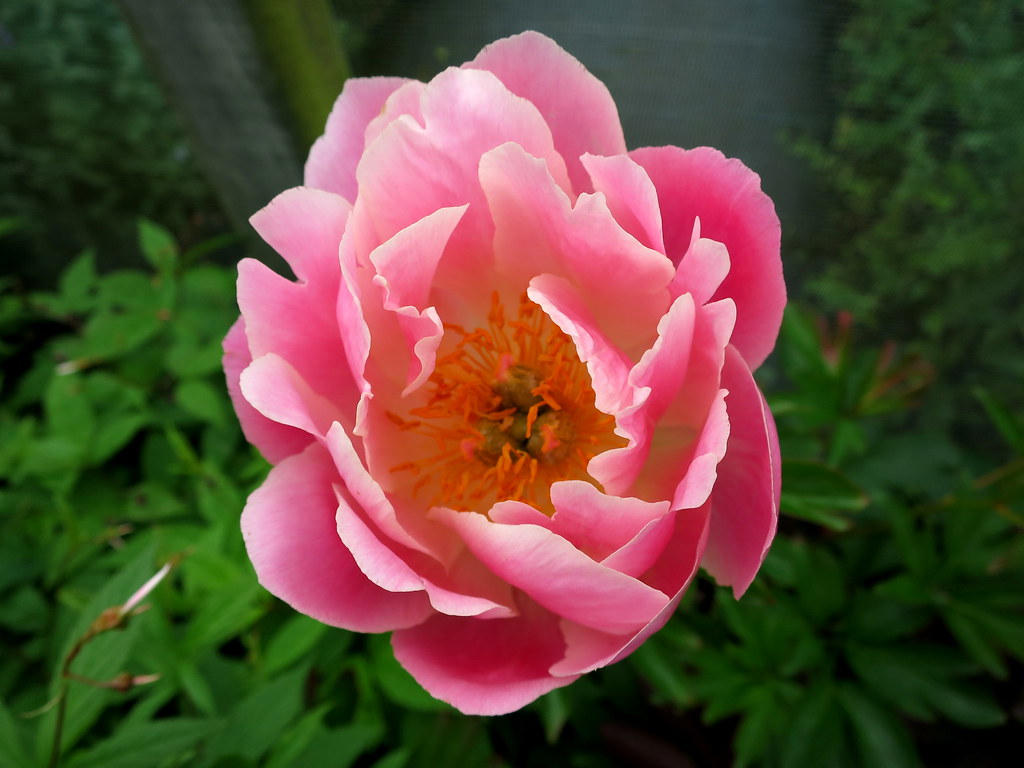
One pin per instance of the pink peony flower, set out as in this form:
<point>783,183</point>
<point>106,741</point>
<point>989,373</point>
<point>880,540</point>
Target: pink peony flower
<point>508,399</point>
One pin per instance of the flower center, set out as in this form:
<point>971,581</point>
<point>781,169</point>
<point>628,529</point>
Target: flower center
<point>510,410</point>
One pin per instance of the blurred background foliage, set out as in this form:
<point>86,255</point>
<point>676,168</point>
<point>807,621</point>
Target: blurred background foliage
<point>887,626</point>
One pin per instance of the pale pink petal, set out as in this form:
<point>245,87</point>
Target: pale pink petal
<point>745,503</point>
<point>577,106</point>
<point>641,552</point>
<point>411,170</point>
<point>671,428</point>
<point>276,390</point>
<point>460,588</point>
<point>333,158</point>
<point>405,267</point>
<point>702,269</point>
<point>484,667</point>
<point>623,283</point>
<point>599,524</point>
<point>275,441</point>
<point>556,574</point>
<point>309,339</point>
<point>305,226</point>
<point>631,197</point>
<point>289,529</point>
<point>589,648</point>
<point>607,366</point>
<point>370,497</point>
<point>733,210</point>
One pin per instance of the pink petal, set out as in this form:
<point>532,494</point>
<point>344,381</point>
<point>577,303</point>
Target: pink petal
<point>607,366</point>
<point>624,284</point>
<point>745,504</point>
<point>405,267</point>
<point>702,269</point>
<point>276,390</point>
<point>556,574</point>
<point>631,197</point>
<point>460,588</point>
<point>334,156</point>
<point>275,441</point>
<point>596,523</point>
<point>411,170</point>
<point>577,106</point>
<point>484,667</point>
<point>588,648</point>
<point>289,529</point>
<point>306,227</point>
<point>733,210</point>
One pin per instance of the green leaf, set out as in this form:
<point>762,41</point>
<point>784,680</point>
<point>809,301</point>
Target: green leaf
<point>921,679</point>
<point>762,720</point>
<point>337,748</point>
<point>143,745</point>
<point>12,749</point>
<point>293,641</point>
<point>1009,426</point>
<point>258,721</point>
<point>814,734</point>
<point>158,247</point>
<point>201,400</point>
<point>881,738</point>
<point>818,493</point>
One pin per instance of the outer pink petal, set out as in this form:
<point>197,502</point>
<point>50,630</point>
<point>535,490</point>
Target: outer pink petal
<point>631,197</point>
<point>623,283</point>
<point>305,226</point>
<point>275,441</point>
<point>299,320</point>
<point>334,156</point>
<point>484,667</point>
<point>276,390</point>
<point>576,105</point>
<point>398,569</point>
<point>745,503</point>
<point>289,531</point>
<point>588,649</point>
<point>733,210</point>
<point>556,574</point>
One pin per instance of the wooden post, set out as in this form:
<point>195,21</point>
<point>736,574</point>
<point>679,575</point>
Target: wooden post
<point>252,81</point>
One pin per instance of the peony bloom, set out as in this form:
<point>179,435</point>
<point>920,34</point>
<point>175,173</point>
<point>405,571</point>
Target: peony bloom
<point>508,398</point>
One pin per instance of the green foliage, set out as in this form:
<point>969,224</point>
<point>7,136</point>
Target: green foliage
<point>924,168</point>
